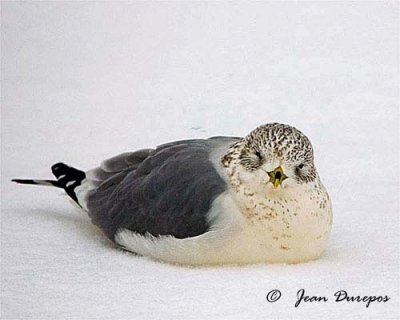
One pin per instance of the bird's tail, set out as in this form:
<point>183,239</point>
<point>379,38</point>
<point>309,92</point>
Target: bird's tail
<point>68,178</point>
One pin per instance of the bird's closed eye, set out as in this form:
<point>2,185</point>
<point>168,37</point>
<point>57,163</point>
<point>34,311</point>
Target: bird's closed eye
<point>258,154</point>
<point>299,169</point>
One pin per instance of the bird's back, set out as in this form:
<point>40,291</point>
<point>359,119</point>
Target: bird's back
<point>162,191</point>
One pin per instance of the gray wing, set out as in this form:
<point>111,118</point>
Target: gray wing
<point>166,191</point>
<point>121,163</point>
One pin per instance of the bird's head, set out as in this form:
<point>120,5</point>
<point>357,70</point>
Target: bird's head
<point>274,154</point>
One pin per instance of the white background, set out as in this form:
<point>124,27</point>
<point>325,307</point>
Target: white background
<point>83,81</point>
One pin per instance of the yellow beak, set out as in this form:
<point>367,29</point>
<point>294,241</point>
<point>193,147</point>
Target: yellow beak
<point>276,177</point>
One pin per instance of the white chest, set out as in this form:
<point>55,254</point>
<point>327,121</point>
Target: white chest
<point>284,225</point>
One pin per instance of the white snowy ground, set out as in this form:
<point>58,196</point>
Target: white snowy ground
<point>84,81</point>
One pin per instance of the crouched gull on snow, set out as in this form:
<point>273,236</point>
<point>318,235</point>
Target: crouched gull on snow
<point>209,201</point>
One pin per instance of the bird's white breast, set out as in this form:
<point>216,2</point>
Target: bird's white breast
<point>285,225</point>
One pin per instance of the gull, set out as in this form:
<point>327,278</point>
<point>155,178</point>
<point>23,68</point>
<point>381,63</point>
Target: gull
<point>222,200</point>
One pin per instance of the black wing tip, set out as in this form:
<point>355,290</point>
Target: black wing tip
<point>54,183</point>
<point>68,178</point>
<point>23,181</point>
<point>55,168</point>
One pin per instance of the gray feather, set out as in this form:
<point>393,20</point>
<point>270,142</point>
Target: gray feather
<point>166,191</point>
<point>123,162</point>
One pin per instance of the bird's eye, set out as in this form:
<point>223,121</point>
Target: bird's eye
<point>258,154</point>
<point>300,166</point>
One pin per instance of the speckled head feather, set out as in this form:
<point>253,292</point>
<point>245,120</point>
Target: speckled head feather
<point>272,143</point>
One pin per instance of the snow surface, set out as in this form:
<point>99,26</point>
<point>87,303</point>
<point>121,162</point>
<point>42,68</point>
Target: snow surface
<point>83,81</point>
